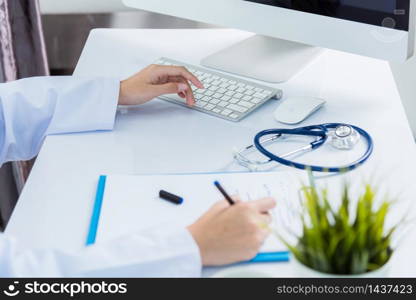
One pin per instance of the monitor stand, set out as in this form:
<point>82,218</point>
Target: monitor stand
<point>263,58</point>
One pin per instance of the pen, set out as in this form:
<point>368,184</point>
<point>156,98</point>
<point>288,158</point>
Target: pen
<point>224,193</point>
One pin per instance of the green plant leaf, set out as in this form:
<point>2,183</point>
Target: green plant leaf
<point>334,242</point>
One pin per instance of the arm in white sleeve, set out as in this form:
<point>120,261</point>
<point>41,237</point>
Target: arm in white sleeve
<point>155,253</point>
<point>33,108</point>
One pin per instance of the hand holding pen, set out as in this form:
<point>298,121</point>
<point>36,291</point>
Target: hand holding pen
<point>234,233</point>
<point>280,256</point>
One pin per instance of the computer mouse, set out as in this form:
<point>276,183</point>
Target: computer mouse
<point>294,110</point>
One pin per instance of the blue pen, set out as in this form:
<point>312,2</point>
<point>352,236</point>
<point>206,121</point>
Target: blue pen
<point>271,257</point>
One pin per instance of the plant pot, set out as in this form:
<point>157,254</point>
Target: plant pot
<point>302,271</point>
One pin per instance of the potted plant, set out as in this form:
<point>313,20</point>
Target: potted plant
<point>349,239</point>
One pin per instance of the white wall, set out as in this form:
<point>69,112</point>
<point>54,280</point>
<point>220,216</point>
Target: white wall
<point>405,75</point>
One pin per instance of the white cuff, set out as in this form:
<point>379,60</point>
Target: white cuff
<point>158,252</point>
<point>87,105</point>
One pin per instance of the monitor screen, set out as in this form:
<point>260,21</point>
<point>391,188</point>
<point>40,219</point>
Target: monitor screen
<point>387,13</point>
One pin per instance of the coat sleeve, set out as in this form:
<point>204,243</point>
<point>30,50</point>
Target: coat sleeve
<point>33,108</point>
<point>159,252</point>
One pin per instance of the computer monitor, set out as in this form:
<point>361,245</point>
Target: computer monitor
<point>290,33</point>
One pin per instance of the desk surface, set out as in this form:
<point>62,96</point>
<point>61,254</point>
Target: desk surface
<point>55,207</point>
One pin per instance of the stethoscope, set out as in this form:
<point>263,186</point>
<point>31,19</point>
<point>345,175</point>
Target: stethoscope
<point>340,136</point>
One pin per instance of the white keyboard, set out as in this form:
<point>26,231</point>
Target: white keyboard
<point>224,96</point>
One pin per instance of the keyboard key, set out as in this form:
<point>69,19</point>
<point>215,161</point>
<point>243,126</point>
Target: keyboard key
<point>249,93</point>
<point>256,100</point>
<point>258,90</point>
<point>226,112</point>
<point>234,100</point>
<point>206,98</point>
<point>209,93</point>
<point>216,110</point>
<point>218,95</point>
<point>260,95</point>
<point>213,88</point>
<point>224,85</point>
<point>238,108</point>
<point>200,104</point>
<point>209,106</point>
<point>216,82</point>
<point>226,98</point>
<point>247,98</point>
<point>223,104</point>
<point>230,93</point>
<point>214,101</point>
<point>222,91</point>
<point>240,90</point>
<point>246,104</point>
<point>238,95</point>
<point>232,87</point>
<point>234,116</point>
<point>198,96</point>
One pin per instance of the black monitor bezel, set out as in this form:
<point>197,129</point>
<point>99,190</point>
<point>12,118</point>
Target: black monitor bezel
<point>401,17</point>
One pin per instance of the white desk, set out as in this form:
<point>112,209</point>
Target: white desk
<point>55,207</point>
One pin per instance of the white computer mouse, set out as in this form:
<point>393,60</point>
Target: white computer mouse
<point>294,110</point>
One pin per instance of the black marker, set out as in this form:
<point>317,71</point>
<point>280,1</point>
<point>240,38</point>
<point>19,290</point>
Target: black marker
<point>170,197</point>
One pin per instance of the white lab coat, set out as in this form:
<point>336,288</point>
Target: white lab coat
<point>31,109</point>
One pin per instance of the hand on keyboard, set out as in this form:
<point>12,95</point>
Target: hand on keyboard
<point>223,96</point>
<point>157,80</point>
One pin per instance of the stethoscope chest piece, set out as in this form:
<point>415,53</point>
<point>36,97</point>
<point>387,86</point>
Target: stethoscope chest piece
<point>344,137</point>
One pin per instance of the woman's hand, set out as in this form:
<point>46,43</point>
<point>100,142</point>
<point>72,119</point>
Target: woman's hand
<point>155,81</point>
<point>229,234</point>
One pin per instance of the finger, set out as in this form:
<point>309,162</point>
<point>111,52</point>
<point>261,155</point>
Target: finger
<point>180,71</point>
<point>220,205</point>
<point>236,199</point>
<point>263,205</point>
<point>224,204</point>
<point>169,88</point>
<point>265,219</point>
<point>217,208</point>
<point>189,94</point>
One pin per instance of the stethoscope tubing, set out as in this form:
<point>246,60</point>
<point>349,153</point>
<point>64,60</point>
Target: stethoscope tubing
<point>321,132</point>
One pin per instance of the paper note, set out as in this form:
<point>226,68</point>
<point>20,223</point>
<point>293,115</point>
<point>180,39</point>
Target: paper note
<point>131,203</point>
